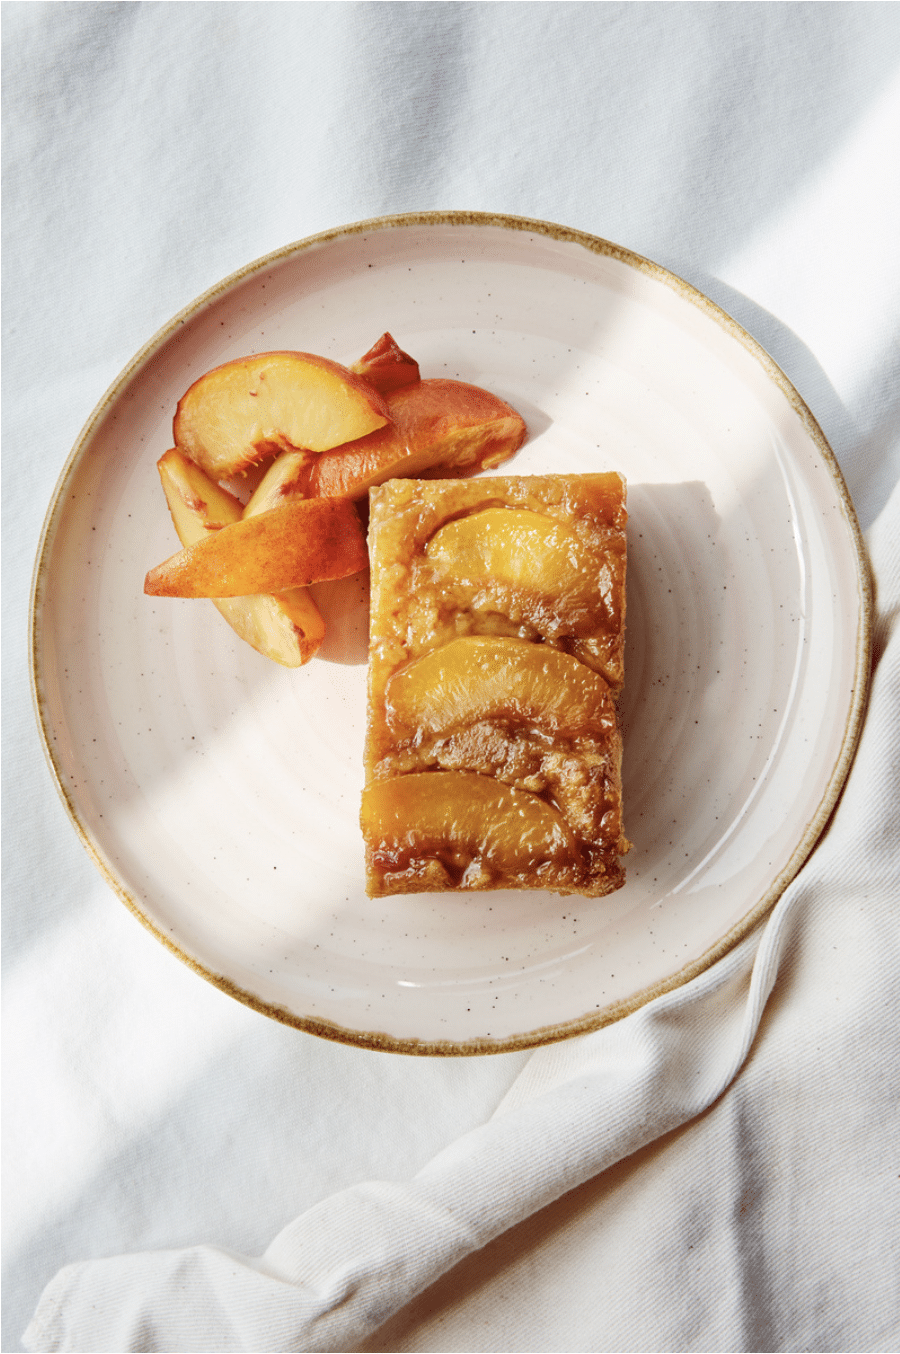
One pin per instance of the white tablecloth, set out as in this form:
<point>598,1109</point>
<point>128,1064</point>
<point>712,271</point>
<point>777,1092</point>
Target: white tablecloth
<point>719,1171</point>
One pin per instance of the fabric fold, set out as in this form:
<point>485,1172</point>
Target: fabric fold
<point>344,1267</point>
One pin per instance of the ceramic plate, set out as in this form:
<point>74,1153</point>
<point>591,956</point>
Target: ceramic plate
<point>219,793</point>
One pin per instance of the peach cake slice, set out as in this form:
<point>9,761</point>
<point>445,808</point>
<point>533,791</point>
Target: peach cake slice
<point>493,750</point>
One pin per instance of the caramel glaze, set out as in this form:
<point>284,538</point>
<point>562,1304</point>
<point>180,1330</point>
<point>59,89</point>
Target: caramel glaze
<point>496,661</point>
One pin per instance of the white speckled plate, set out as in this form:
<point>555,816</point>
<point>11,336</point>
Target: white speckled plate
<point>219,793</point>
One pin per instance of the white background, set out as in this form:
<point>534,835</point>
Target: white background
<point>151,149</point>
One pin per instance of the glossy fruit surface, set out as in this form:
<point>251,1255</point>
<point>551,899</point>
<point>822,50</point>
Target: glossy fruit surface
<point>462,815</point>
<point>288,628</point>
<point>386,366</point>
<point>531,566</point>
<point>303,541</point>
<point>285,479</point>
<point>247,410</point>
<point>484,677</point>
<point>436,427</point>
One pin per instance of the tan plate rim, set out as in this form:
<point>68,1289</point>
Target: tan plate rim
<point>814,828</point>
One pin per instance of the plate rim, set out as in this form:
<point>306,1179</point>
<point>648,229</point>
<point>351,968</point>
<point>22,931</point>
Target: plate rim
<point>375,1040</point>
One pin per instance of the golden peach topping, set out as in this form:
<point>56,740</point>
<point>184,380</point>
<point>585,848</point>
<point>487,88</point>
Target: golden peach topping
<point>462,815</point>
<point>482,677</point>
<point>493,750</point>
<point>532,567</point>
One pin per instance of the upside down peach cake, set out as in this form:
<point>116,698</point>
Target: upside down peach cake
<point>493,751</point>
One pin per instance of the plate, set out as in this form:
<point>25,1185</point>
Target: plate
<point>219,793</point>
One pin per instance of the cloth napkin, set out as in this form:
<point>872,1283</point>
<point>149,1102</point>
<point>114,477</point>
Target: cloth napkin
<point>343,1268</point>
<point>718,1171</point>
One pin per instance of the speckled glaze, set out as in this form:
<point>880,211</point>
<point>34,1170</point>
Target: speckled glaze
<point>219,794</point>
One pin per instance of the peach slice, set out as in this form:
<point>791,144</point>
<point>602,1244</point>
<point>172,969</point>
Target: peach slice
<point>386,366</point>
<point>286,478</point>
<point>464,815</point>
<point>248,409</point>
<point>288,628</point>
<point>198,505</point>
<point>481,677</point>
<point>534,567</point>
<point>304,541</point>
<point>436,427</point>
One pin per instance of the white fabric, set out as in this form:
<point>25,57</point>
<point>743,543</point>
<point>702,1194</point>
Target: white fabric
<point>719,1171</point>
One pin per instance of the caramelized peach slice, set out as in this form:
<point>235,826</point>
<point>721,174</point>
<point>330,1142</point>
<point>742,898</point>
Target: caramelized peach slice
<point>485,677</point>
<point>198,505</point>
<point>303,541</point>
<point>436,427</point>
<point>249,409</point>
<point>534,567</point>
<point>288,628</point>
<point>463,815</point>
<point>386,366</point>
<point>285,478</point>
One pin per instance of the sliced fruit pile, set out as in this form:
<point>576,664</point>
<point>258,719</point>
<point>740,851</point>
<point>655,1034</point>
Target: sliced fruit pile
<point>314,437</point>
